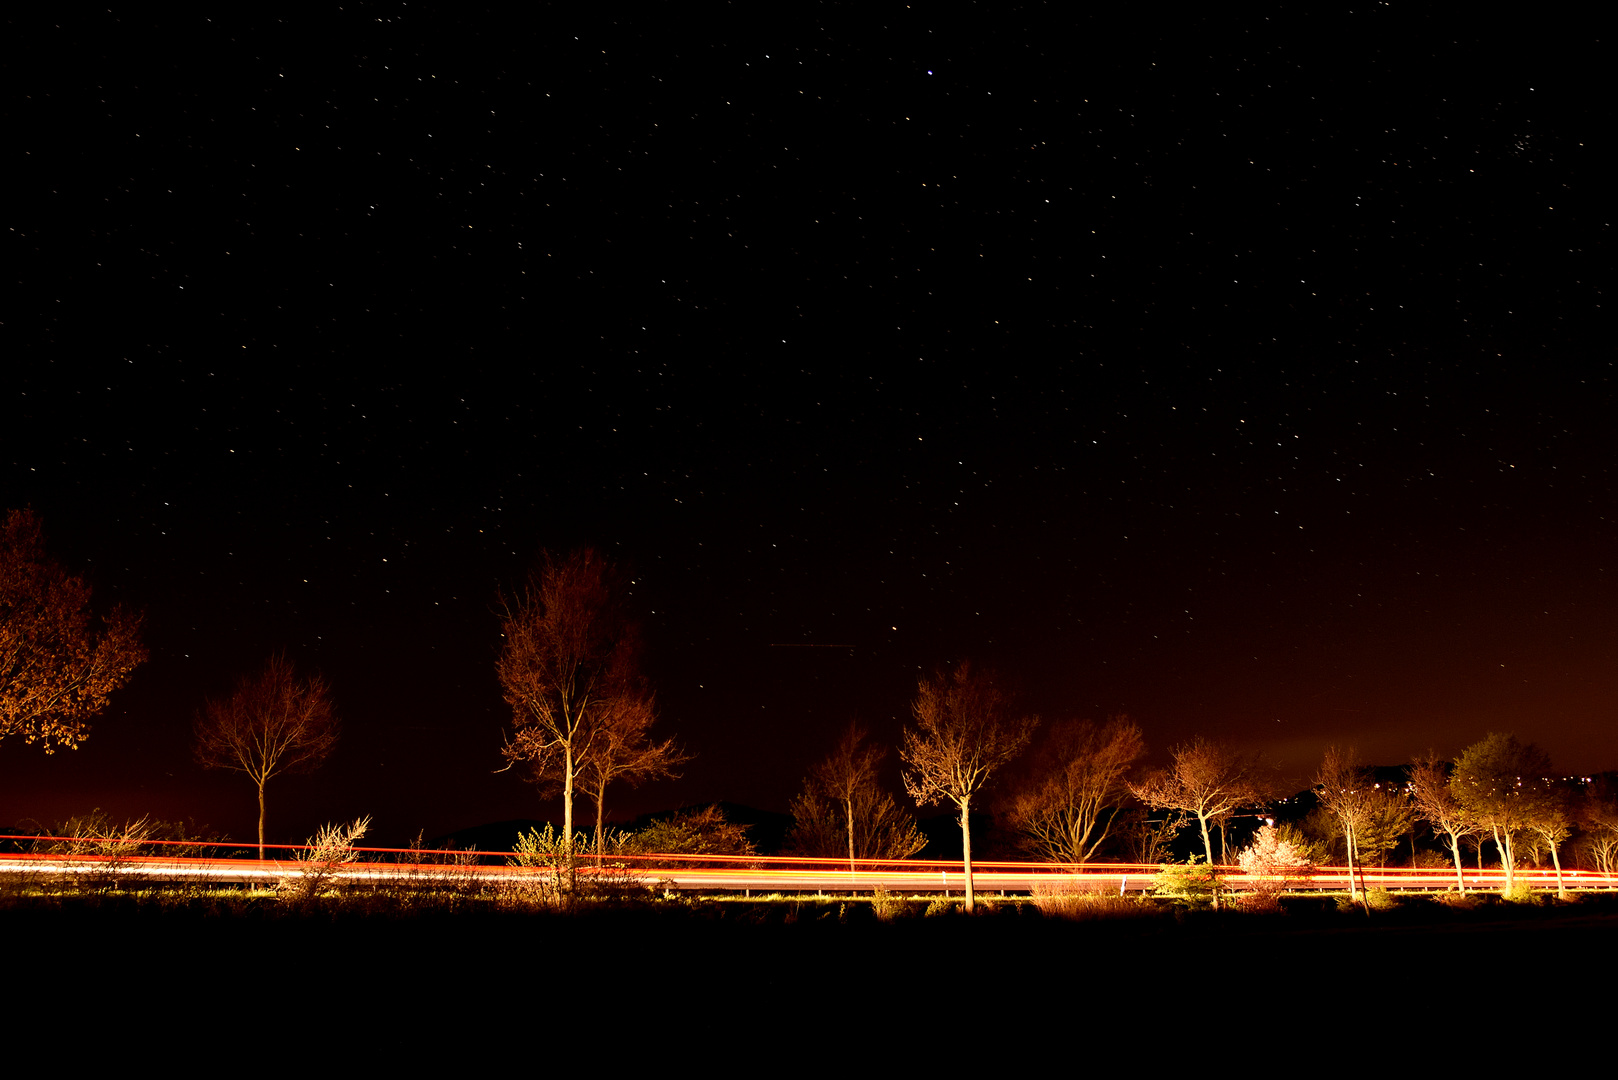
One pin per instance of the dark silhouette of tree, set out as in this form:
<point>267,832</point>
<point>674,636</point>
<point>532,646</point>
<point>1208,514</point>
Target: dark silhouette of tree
<point>57,668</point>
<point>272,724</point>
<point>1066,810</point>
<point>622,749</point>
<point>843,805</point>
<point>965,732</point>
<point>569,670</point>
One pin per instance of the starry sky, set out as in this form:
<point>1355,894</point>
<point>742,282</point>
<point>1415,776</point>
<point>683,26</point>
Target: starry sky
<point>1239,373</point>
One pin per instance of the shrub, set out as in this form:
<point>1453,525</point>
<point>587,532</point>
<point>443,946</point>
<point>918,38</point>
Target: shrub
<point>689,832</point>
<point>111,846</point>
<point>544,853</point>
<point>320,864</point>
<point>1521,893</point>
<point>886,906</point>
<point>1191,883</point>
<point>1380,899</point>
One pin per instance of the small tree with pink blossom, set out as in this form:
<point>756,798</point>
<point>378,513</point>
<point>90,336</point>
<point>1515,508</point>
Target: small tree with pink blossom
<point>1271,865</point>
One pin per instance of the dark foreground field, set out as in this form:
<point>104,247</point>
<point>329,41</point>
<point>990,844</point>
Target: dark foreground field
<point>210,973</point>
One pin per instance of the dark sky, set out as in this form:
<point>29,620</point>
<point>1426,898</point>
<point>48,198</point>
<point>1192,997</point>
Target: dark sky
<point>1246,374</point>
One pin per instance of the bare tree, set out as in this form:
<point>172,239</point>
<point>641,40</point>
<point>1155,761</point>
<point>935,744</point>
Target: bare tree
<point>272,724</point>
<point>568,666</point>
<point>843,802</point>
<point>965,732</point>
<point>622,749</point>
<point>1206,780</point>
<point>1067,810</point>
<point>57,669</point>
<point>1435,801</point>
<point>1598,821</point>
<point>1499,783</point>
<point>1349,794</point>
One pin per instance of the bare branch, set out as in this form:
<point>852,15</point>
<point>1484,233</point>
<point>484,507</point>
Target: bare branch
<point>1063,814</point>
<point>965,731</point>
<point>273,723</point>
<point>570,671</point>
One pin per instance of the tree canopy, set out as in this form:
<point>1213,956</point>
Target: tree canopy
<point>1500,783</point>
<point>57,666</point>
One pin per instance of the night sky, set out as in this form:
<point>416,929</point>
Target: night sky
<point>1245,374</point>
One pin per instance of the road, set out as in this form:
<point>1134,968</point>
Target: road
<point>751,874</point>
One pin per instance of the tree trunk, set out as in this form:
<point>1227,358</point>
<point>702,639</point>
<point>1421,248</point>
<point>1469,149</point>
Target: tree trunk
<point>1460,875</point>
<point>848,805</point>
<point>567,814</point>
<point>1350,845</point>
<point>1207,850</point>
<point>601,836</point>
<point>261,820</point>
<point>1561,890</point>
<point>966,850</point>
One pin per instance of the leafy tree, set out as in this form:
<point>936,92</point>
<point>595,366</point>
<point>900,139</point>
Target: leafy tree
<point>57,668</point>
<point>569,671</point>
<point>1500,783</point>
<point>965,732</point>
<point>1190,883</point>
<point>843,807</point>
<point>1436,802</point>
<point>1065,813</point>
<point>1551,823</point>
<point>1391,819</point>
<point>272,724</point>
<point>702,831</point>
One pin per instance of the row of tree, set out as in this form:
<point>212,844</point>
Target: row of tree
<point>582,718</point>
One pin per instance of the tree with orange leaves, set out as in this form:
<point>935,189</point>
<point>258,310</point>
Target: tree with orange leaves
<point>57,669</point>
